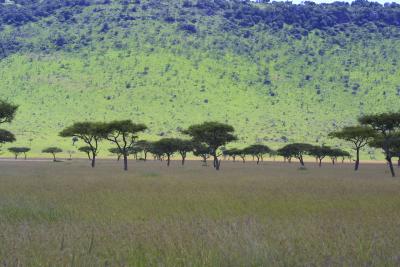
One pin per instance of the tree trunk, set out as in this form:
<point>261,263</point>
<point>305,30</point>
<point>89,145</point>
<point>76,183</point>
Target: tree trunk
<point>234,158</point>
<point>301,161</point>
<point>216,162</point>
<point>258,160</point>
<point>320,162</point>
<point>16,156</point>
<point>183,160</point>
<point>54,157</point>
<point>333,161</point>
<point>398,162</point>
<point>145,156</point>
<point>168,160</point>
<point>389,160</point>
<point>357,159</point>
<point>125,162</point>
<point>25,155</point>
<point>93,160</point>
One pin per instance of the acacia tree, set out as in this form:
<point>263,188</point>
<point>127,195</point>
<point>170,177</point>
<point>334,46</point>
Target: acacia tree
<point>18,150</point>
<point>213,135</point>
<point>123,134</point>
<point>258,151</point>
<point>53,151</point>
<point>233,152</point>
<point>145,147</point>
<point>387,128</point>
<point>359,136</point>
<point>115,150</point>
<point>390,145</point>
<point>6,137</point>
<point>296,150</point>
<point>88,132</point>
<point>184,147</point>
<point>87,150</point>
<point>155,150</point>
<point>167,146</point>
<point>242,153</point>
<point>286,154</point>
<point>7,114</point>
<point>200,150</point>
<point>320,152</point>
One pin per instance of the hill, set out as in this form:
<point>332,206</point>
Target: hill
<point>277,72</point>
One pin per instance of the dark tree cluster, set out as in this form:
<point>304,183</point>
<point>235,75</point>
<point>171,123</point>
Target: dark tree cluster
<point>376,130</point>
<point>23,11</point>
<point>306,16</point>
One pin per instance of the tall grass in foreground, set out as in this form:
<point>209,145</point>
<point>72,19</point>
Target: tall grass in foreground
<point>270,215</point>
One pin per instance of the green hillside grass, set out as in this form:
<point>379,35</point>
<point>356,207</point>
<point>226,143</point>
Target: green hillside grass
<point>270,86</point>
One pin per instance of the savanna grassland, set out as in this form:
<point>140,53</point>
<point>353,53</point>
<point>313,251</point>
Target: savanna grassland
<point>67,214</point>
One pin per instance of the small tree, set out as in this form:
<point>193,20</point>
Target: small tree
<point>88,132</point>
<point>6,137</point>
<point>391,144</point>
<point>242,153</point>
<point>7,114</point>
<point>25,150</point>
<point>155,150</point>
<point>320,152</point>
<point>296,150</point>
<point>386,127</point>
<point>145,147</point>
<point>184,147</point>
<point>213,135</point>
<point>70,153</point>
<point>200,150</point>
<point>87,150</point>
<point>286,154</point>
<point>359,136</point>
<point>233,152</point>
<point>115,150</point>
<point>167,146</point>
<point>18,150</point>
<point>123,134</point>
<point>258,151</point>
<point>53,151</point>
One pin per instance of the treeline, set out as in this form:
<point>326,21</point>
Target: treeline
<point>307,16</point>
<point>209,140</point>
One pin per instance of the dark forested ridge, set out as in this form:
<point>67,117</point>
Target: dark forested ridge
<point>307,16</point>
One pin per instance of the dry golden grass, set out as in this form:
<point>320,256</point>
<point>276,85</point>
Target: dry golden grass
<point>66,214</point>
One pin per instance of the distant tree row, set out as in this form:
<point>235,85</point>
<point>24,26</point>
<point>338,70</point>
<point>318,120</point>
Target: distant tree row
<point>209,139</point>
<point>123,134</point>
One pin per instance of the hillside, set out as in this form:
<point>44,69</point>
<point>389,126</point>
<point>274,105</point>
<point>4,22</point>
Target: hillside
<point>275,77</point>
